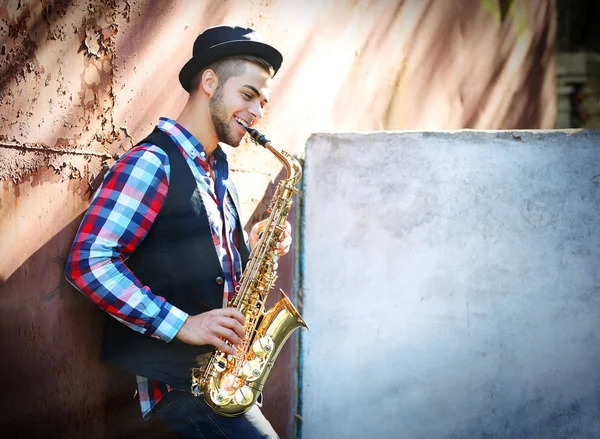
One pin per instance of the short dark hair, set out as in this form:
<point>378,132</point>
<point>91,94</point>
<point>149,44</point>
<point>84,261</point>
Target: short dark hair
<point>231,67</point>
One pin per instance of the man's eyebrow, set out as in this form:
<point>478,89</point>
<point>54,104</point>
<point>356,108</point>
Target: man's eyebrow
<point>255,90</point>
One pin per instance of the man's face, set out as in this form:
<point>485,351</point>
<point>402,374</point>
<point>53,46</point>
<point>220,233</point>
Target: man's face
<point>241,97</point>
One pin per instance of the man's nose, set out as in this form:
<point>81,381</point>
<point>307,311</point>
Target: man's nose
<point>257,112</point>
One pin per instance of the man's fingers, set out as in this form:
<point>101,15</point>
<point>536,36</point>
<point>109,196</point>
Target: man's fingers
<point>207,328</point>
<point>229,321</point>
<point>233,325</point>
<point>228,334</point>
<point>221,345</point>
<point>283,247</point>
<point>233,313</point>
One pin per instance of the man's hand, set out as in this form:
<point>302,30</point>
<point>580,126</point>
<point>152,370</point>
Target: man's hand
<point>283,246</point>
<point>210,327</point>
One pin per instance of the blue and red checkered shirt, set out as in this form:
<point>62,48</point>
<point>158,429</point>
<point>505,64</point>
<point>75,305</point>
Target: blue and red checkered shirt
<point>119,217</point>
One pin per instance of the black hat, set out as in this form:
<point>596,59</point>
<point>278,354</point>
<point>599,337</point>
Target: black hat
<point>224,41</point>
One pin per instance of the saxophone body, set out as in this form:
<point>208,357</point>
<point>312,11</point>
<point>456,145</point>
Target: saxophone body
<point>231,384</point>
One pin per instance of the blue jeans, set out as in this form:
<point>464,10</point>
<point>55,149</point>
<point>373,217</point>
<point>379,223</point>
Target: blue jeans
<point>190,417</point>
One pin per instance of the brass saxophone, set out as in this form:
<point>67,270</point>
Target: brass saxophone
<point>231,384</point>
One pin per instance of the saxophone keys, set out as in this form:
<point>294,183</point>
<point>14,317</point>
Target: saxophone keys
<point>228,384</point>
<point>263,346</point>
<point>220,398</point>
<point>196,381</point>
<point>220,363</point>
<point>251,370</point>
<point>244,396</point>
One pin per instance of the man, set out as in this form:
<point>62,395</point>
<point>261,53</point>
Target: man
<point>161,247</point>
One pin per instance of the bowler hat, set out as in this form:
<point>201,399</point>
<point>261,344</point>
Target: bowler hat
<point>225,41</point>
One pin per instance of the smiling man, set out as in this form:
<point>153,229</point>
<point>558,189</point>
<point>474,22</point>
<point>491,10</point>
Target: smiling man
<point>161,248</point>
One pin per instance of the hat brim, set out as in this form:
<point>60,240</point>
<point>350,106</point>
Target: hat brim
<point>224,50</point>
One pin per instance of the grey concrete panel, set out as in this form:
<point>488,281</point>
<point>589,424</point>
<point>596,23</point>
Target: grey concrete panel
<point>450,283</point>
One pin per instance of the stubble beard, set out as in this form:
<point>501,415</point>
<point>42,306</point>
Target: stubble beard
<point>220,118</point>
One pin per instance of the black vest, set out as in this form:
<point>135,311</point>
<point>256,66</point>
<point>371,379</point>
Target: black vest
<point>178,261</point>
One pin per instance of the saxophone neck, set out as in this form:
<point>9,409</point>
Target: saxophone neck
<point>293,168</point>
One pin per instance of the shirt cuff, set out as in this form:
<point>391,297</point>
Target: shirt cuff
<point>168,323</point>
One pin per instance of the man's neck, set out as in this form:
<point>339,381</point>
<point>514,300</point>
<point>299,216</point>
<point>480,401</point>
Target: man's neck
<point>196,119</point>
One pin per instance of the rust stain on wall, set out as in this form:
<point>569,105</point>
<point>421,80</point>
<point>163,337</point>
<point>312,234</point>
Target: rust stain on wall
<point>56,83</point>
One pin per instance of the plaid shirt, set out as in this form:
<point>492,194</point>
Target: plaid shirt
<point>119,217</point>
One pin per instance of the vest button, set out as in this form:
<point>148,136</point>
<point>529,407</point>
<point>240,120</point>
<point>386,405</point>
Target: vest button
<point>219,280</point>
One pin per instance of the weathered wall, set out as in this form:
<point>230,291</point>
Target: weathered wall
<point>450,281</point>
<point>80,81</point>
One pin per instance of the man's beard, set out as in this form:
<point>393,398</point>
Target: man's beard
<point>221,119</point>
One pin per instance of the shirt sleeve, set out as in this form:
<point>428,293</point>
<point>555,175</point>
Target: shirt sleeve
<point>119,217</point>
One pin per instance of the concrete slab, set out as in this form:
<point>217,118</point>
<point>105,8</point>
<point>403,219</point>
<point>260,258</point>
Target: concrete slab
<point>450,283</point>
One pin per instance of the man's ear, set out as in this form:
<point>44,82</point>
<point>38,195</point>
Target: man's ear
<point>209,82</point>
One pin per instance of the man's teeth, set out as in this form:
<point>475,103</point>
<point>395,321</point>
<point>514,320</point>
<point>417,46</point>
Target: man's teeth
<point>241,122</point>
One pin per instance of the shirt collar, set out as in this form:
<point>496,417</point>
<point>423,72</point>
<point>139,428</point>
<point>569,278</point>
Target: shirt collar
<point>219,154</point>
<point>183,138</point>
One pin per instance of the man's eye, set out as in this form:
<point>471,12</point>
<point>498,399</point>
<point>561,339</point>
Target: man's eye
<point>248,96</point>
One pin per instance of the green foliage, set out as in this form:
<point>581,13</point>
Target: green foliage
<point>500,9</point>
<point>514,11</point>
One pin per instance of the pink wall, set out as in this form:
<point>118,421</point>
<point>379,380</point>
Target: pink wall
<point>81,81</point>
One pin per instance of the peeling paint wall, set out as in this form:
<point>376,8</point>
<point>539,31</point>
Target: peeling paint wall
<point>82,81</point>
<point>56,82</point>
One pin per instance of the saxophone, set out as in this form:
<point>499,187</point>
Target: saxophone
<point>231,384</point>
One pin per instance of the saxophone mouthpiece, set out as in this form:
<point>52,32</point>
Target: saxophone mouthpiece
<point>255,134</point>
<point>257,137</point>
